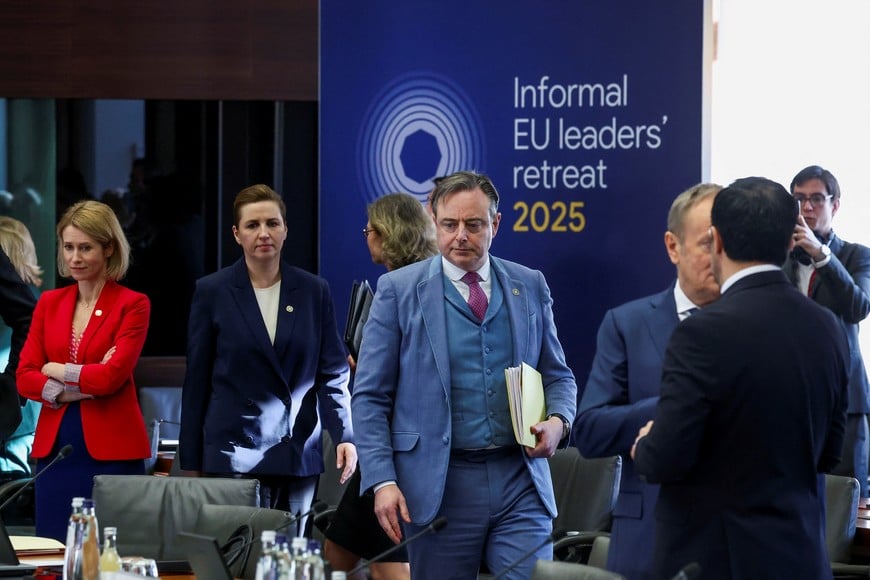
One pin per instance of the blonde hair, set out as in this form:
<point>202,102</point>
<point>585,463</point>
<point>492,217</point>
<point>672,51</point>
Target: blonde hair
<point>99,221</point>
<point>406,230</point>
<point>17,244</point>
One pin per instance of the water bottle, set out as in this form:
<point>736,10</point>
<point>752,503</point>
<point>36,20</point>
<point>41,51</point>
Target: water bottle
<point>110,560</point>
<point>90,542</point>
<point>75,516</point>
<point>316,565</point>
<point>299,559</point>
<point>284,565</point>
<point>267,556</point>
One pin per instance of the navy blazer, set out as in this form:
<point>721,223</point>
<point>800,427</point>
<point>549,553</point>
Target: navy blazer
<point>752,410</point>
<point>619,398</point>
<point>843,287</point>
<point>401,398</point>
<point>249,406</point>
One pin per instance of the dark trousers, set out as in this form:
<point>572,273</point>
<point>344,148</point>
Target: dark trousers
<point>856,451</point>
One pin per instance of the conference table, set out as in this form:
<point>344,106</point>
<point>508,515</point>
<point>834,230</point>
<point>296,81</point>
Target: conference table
<point>861,545</point>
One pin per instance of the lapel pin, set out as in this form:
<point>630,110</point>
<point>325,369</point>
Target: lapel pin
<point>515,291</point>
<point>98,312</point>
<point>289,309</point>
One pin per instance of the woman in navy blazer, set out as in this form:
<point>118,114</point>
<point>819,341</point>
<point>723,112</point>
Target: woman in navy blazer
<point>265,367</point>
<point>83,344</point>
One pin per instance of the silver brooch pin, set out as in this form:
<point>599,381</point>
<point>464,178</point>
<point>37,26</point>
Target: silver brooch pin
<point>289,309</point>
<point>98,312</point>
<point>515,291</point>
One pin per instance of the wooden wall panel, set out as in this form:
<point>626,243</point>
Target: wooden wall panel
<point>159,49</point>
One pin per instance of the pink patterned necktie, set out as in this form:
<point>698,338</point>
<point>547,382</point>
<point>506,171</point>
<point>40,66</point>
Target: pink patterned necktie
<point>476,298</point>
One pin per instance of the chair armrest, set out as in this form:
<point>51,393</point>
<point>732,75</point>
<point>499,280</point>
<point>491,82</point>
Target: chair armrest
<point>575,546</point>
<point>841,570</point>
<point>9,488</point>
<point>322,519</point>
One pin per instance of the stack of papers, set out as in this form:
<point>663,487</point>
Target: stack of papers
<point>526,398</point>
<point>35,545</point>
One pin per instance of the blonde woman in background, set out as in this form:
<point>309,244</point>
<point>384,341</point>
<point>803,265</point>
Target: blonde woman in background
<point>16,243</point>
<point>399,232</point>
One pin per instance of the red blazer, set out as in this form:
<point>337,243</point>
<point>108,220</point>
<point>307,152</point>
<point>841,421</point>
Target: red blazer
<point>112,421</point>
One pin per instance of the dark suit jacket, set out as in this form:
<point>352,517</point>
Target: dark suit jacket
<point>249,406</point>
<point>843,287</point>
<point>16,308</point>
<point>619,398</point>
<point>112,422</point>
<point>752,409</point>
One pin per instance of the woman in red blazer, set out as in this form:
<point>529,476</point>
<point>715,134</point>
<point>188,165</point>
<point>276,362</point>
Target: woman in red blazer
<point>78,360</point>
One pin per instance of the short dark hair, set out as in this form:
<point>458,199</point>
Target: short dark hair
<point>254,194</point>
<point>820,173</point>
<point>755,218</point>
<point>465,181</point>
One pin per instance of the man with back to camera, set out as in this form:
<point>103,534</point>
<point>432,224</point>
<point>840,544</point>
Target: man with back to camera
<point>430,398</point>
<point>623,386</point>
<point>836,275</point>
<point>746,421</point>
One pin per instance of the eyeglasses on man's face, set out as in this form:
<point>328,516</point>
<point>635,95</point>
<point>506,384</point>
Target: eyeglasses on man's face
<point>815,199</point>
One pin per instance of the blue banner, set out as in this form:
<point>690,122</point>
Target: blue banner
<point>588,116</point>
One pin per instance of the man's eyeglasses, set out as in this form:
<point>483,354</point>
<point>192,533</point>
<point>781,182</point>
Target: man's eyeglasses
<point>815,199</point>
<point>367,231</point>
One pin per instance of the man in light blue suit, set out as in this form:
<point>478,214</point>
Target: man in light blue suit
<point>623,387</point>
<point>430,403</point>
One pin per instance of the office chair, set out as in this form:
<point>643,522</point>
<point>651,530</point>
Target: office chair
<point>841,512</point>
<point>239,528</point>
<point>19,515</point>
<point>598,553</point>
<point>585,491</point>
<point>329,489</point>
<point>149,511</point>
<point>161,411</point>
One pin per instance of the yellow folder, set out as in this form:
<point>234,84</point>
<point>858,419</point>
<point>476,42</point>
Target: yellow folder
<point>525,392</point>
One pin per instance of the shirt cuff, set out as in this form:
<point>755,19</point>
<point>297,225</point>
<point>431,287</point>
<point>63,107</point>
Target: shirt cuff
<point>72,373</point>
<point>822,263</point>
<point>50,391</point>
<point>382,485</point>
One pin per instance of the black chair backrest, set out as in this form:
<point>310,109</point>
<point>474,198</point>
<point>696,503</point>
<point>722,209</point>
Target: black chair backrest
<point>585,490</point>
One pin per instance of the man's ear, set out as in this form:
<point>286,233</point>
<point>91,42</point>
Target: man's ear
<point>716,247</point>
<point>672,245</point>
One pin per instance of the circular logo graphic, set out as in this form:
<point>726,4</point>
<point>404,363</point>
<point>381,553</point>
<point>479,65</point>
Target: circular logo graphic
<point>420,127</point>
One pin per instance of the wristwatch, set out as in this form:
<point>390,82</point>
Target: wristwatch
<point>566,428</point>
<point>826,253</point>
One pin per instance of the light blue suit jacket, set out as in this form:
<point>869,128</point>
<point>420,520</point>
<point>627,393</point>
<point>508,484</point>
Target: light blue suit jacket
<point>401,397</point>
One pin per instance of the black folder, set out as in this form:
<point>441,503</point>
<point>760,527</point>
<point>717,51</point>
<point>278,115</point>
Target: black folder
<point>361,297</point>
<point>205,556</point>
<point>10,566</point>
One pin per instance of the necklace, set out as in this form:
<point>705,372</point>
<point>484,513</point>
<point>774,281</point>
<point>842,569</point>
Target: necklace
<point>88,305</point>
